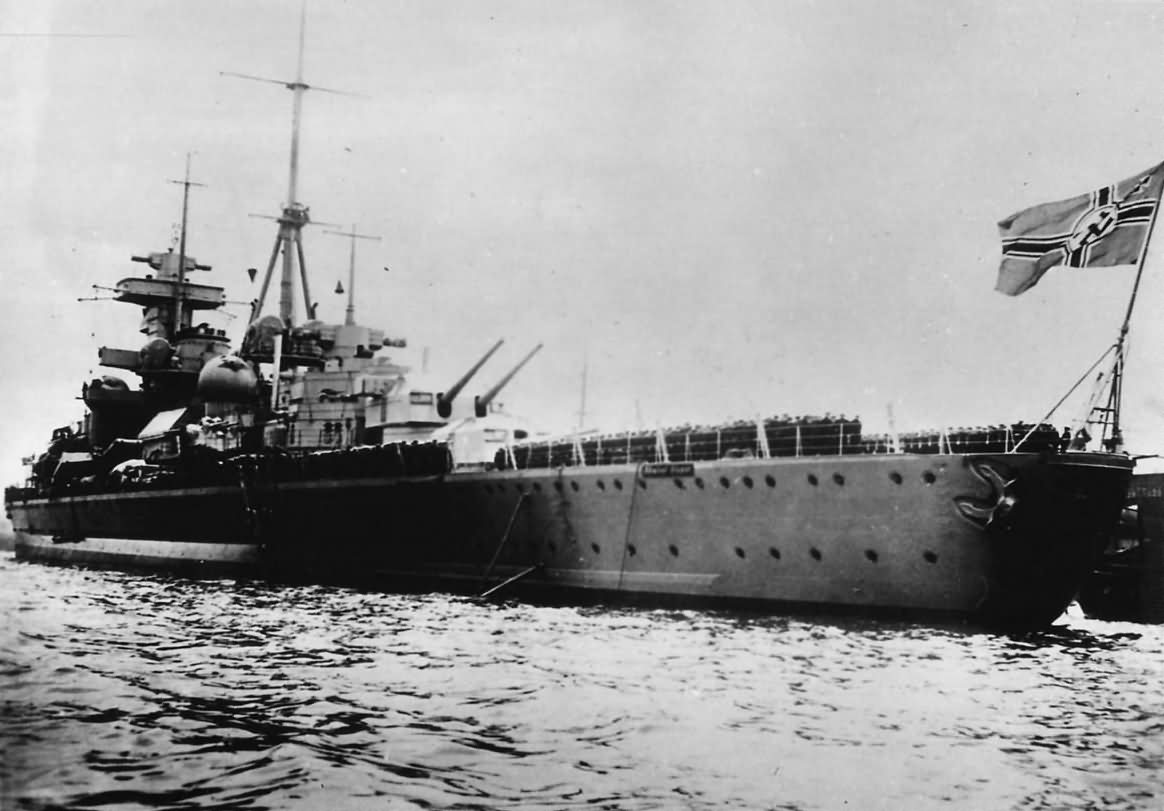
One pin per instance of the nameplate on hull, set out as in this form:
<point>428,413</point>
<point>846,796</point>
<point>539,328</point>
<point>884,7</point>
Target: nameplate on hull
<point>659,470</point>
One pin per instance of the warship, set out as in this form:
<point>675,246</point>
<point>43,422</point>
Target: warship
<point>1112,225</point>
<point>1128,582</point>
<point>309,454</point>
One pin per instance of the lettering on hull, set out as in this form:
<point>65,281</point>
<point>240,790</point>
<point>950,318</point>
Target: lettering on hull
<point>666,470</point>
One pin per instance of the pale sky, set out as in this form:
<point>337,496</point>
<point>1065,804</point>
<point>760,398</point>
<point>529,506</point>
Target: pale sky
<point>730,209</point>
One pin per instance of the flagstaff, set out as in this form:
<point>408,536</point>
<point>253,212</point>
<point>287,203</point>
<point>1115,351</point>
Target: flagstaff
<point>1108,227</point>
<point>1115,400</point>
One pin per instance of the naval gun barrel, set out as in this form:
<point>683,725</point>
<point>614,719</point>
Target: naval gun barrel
<point>481,404</point>
<point>445,398</point>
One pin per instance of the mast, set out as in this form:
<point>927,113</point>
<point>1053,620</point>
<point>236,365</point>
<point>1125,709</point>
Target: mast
<point>180,299</point>
<point>350,315</point>
<point>582,402</point>
<point>297,87</point>
<point>295,215</point>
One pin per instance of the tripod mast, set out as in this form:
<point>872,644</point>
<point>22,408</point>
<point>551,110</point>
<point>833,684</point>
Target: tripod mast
<point>289,239</point>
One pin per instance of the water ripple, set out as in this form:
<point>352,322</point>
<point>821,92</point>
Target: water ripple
<point>120,691</point>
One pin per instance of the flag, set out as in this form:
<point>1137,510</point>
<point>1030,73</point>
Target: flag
<point>1107,227</point>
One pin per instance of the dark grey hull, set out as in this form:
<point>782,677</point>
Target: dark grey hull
<point>997,538</point>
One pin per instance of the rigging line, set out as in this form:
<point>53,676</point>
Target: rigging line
<point>630,519</point>
<point>1091,405</point>
<point>1070,391</point>
<point>55,35</point>
<point>504,539</point>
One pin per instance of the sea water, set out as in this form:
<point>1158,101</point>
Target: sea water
<point>131,691</point>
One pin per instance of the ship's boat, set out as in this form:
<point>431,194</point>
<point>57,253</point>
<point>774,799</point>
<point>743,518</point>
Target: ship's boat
<point>310,454</point>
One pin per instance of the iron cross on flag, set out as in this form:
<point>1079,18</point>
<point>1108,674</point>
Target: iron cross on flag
<point>1108,227</point>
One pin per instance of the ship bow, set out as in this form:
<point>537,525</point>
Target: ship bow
<point>1046,519</point>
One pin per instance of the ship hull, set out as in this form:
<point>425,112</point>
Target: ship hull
<point>1003,538</point>
<point>196,531</point>
<point>178,557</point>
<point>1128,582</point>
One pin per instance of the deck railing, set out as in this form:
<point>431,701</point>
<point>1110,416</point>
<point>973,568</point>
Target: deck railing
<point>776,437</point>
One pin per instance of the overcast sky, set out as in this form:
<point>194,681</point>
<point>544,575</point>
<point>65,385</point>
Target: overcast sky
<point>728,208</point>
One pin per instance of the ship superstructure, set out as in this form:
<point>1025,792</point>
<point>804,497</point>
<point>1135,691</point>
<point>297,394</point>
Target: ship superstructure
<point>329,387</point>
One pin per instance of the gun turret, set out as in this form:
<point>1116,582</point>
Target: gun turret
<point>445,398</point>
<point>481,404</point>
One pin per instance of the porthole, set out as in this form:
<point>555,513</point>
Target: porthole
<point>774,552</point>
<point>931,557</point>
<point>679,483</point>
<point>895,477</point>
<point>770,481</point>
<point>928,477</point>
<point>630,550</point>
<point>558,486</point>
<point>870,556</point>
<point>815,553</point>
<point>812,479</point>
<point>674,550</point>
<point>838,480</point>
<point>740,553</point>
<point>596,548</point>
<point>699,482</point>
<point>748,483</point>
<point>618,484</point>
<point>643,483</point>
<point>537,487</point>
<point>552,547</point>
<point>724,483</point>
<point>488,488</point>
<point>574,486</point>
<point>601,484</point>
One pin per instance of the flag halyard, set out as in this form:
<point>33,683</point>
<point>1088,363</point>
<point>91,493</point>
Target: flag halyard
<point>1105,228</point>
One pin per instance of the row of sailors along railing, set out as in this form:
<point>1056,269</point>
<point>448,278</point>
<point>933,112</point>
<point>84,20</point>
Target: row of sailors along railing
<point>773,437</point>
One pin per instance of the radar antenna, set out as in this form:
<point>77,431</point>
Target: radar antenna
<point>295,215</point>
<point>350,316</point>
